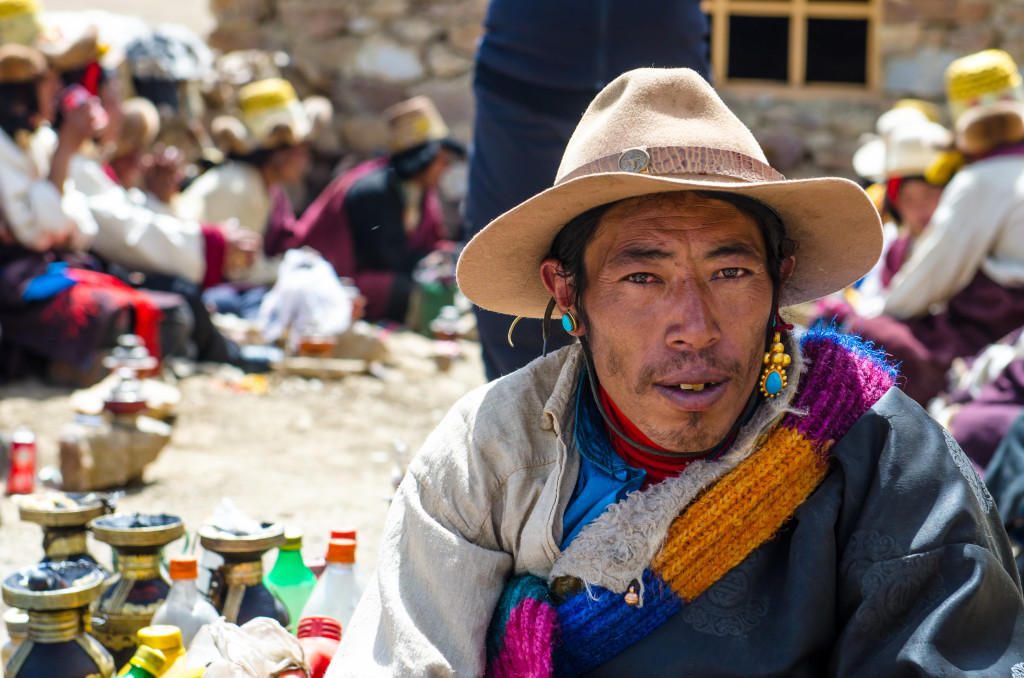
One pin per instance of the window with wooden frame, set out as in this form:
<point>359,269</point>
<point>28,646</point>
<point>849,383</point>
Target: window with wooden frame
<point>800,44</point>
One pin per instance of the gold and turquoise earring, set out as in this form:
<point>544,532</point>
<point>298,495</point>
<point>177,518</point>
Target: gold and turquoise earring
<point>776,360</point>
<point>569,322</point>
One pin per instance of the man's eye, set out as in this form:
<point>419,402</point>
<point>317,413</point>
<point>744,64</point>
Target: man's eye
<point>731,273</point>
<point>640,278</point>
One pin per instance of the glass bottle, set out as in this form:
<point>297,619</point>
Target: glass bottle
<point>290,580</point>
<point>145,663</point>
<point>339,588</point>
<point>141,583</point>
<point>184,607</point>
<point>56,597</point>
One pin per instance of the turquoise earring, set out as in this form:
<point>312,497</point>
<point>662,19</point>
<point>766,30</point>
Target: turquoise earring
<point>569,322</point>
<point>776,360</point>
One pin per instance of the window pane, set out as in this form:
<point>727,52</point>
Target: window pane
<point>759,47</point>
<point>837,50</point>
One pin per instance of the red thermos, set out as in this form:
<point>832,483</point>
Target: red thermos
<point>21,474</point>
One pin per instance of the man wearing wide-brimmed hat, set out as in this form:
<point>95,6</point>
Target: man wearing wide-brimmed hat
<point>694,489</point>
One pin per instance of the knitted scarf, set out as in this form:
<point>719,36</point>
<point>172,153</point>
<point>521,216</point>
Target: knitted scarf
<point>542,631</point>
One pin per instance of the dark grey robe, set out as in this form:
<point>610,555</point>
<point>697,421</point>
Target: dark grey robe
<point>897,565</point>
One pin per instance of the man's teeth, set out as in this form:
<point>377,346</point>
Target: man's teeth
<point>695,387</point>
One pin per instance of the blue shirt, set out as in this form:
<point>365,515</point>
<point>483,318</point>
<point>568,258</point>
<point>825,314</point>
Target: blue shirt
<point>604,478</point>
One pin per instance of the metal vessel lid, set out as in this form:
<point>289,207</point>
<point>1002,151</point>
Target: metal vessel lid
<point>138,529</point>
<point>68,585</point>
<point>219,541</point>
<point>69,509</point>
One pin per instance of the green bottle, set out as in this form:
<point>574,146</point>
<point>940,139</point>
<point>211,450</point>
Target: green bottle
<point>290,580</point>
<point>145,663</point>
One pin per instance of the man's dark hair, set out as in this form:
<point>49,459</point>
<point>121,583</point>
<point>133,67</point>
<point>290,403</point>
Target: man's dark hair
<point>571,242</point>
<point>19,101</point>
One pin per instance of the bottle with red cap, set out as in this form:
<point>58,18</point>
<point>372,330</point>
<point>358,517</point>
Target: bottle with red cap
<point>316,564</point>
<point>340,586</point>
<point>184,607</point>
<point>319,638</point>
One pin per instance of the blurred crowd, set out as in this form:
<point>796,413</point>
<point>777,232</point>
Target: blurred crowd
<point>133,201</point>
<point>945,300</point>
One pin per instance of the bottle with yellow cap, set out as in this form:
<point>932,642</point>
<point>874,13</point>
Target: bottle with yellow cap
<point>167,639</point>
<point>145,663</point>
<point>340,586</point>
<point>290,580</point>
<point>184,607</point>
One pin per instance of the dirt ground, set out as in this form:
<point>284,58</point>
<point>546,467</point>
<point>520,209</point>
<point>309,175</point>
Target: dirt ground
<point>312,454</point>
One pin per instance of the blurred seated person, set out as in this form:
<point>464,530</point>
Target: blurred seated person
<point>963,285</point>
<point>135,240</point>
<point>265,149</point>
<point>55,307</point>
<point>910,161</point>
<point>377,221</point>
<point>129,234</point>
<point>985,398</point>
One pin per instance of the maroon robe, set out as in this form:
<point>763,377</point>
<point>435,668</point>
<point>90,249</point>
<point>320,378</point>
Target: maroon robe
<point>981,313</point>
<point>325,227</point>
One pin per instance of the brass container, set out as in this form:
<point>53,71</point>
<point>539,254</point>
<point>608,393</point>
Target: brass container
<point>64,529</point>
<point>140,584</point>
<point>58,640</point>
<point>236,587</point>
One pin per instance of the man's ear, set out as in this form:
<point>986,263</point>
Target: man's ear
<point>561,290</point>
<point>786,270</point>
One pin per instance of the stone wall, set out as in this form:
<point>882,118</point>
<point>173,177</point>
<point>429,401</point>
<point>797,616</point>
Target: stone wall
<point>368,54</point>
<point>919,38</point>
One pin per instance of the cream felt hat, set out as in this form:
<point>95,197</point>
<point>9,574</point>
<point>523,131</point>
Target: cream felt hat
<point>662,130</point>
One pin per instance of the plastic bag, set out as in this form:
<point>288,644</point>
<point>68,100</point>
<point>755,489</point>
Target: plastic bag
<point>308,296</point>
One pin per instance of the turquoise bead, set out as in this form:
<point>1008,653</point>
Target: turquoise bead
<point>773,384</point>
<point>567,323</point>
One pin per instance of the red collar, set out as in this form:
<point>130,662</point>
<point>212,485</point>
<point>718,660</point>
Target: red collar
<point>658,467</point>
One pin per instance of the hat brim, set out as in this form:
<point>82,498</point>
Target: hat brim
<point>836,228</point>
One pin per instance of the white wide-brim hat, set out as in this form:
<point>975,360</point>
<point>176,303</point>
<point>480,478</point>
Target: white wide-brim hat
<point>657,131</point>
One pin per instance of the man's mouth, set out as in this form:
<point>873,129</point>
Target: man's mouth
<point>698,387</point>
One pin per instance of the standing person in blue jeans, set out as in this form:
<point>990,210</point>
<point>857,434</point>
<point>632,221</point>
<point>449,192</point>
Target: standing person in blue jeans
<point>540,63</point>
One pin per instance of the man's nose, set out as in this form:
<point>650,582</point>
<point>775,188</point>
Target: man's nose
<point>692,321</point>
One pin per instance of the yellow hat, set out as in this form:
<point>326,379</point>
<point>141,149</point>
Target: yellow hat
<point>272,113</point>
<point>19,21</point>
<point>415,122</point>
<point>930,110</point>
<point>982,78</point>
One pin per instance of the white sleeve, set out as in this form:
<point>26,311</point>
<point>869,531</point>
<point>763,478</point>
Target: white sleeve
<point>428,605</point>
<point>135,236</point>
<point>36,212</point>
<point>951,252</point>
